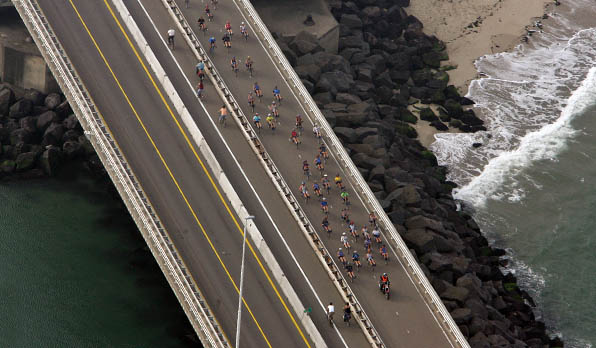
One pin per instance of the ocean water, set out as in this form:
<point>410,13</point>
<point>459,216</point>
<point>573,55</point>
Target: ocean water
<point>532,183</point>
<point>74,274</point>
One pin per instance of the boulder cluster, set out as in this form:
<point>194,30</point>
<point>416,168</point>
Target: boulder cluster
<point>38,133</point>
<point>386,63</point>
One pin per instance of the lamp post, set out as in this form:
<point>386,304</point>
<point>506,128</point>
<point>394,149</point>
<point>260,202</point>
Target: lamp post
<point>250,217</point>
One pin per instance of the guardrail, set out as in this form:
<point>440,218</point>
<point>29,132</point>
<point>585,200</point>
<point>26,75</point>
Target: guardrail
<point>126,183</point>
<point>220,176</point>
<point>313,112</point>
<point>285,192</point>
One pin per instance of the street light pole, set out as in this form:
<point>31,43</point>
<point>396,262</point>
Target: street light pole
<point>250,217</point>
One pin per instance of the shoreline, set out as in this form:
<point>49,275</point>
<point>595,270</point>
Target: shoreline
<point>472,29</point>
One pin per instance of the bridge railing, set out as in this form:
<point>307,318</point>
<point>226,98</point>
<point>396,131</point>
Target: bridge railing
<point>372,204</point>
<point>122,176</point>
<point>323,255</point>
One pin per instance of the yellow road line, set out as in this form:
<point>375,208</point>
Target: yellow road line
<point>168,170</point>
<point>202,165</point>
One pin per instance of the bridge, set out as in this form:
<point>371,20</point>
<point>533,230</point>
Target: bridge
<point>190,184</point>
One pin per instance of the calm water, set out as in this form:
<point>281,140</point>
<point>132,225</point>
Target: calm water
<point>75,273</point>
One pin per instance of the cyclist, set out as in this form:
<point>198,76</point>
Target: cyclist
<point>352,227</point>
<point>356,259</point>
<point>202,24</point>
<point>270,122</point>
<point>276,94</point>
<point>223,112</point>
<point>370,259</point>
<point>171,34</point>
<point>227,40</point>
<point>345,197</point>
<point>273,108</point>
<point>319,164</point>
<point>324,206</point>
<point>341,257</point>
<point>325,225</point>
<point>338,182</point>
<point>257,90</point>
<point>323,152</point>
<point>256,119</point>
<point>248,63</point>
<point>325,183</point>
<point>208,13</point>
<point>243,31</point>
<point>365,234</point>
<point>251,101</point>
<point>377,234</point>
<point>348,310</point>
<point>372,218</point>
<point>214,3</point>
<point>383,251</point>
<point>316,131</point>
<point>294,137</point>
<point>229,28</point>
<point>234,65</point>
<point>304,191</point>
<point>212,45</point>
<point>383,281</point>
<point>345,214</point>
<point>200,70</point>
<point>346,242</point>
<point>330,312</point>
<point>200,89</point>
<point>350,272</point>
<point>299,122</point>
<point>367,243</point>
<point>306,169</point>
<point>316,189</point>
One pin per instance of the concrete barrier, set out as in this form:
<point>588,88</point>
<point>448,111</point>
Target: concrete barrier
<point>137,203</point>
<point>220,176</point>
<point>405,257</point>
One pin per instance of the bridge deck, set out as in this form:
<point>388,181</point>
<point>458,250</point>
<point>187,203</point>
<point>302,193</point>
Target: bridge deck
<point>405,320</point>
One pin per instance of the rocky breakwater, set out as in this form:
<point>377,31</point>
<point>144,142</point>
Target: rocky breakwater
<point>384,66</point>
<point>38,134</point>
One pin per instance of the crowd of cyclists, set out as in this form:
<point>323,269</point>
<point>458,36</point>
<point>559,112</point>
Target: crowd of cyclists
<point>352,236</point>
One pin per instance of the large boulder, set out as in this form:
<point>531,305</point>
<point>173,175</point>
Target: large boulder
<point>335,82</point>
<point>455,293</point>
<point>25,161</point>
<point>28,123</point>
<point>288,52</point>
<point>348,99</point>
<point>72,149</point>
<point>36,97</point>
<point>302,47</point>
<point>461,315</point>
<point>52,101</point>
<point>20,135</point>
<point>53,134</point>
<point>421,240</point>
<point>351,21</point>
<point>7,166</point>
<point>20,108</point>
<point>50,160</point>
<point>71,122</point>
<point>310,72</point>
<point>348,135</point>
<point>6,100</point>
<point>45,119</point>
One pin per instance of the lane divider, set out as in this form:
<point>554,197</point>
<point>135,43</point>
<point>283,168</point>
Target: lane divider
<point>225,184</point>
<point>323,255</point>
<point>188,293</point>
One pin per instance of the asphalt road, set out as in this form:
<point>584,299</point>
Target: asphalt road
<point>143,126</point>
<point>404,320</point>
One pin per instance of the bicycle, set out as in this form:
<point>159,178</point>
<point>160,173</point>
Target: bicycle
<point>171,34</point>
<point>277,95</point>
<point>294,138</point>
<point>257,91</point>
<point>325,206</point>
<point>299,124</point>
<point>251,101</point>
<point>306,170</point>
<point>234,64</point>
<point>326,184</point>
<point>257,121</point>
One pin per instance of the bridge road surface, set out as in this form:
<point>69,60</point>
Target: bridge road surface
<point>403,321</point>
<point>175,215</point>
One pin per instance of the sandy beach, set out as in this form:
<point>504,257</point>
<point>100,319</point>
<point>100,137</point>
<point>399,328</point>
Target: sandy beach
<point>473,28</point>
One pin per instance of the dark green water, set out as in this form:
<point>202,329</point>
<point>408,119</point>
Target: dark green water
<point>551,233</point>
<point>74,272</point>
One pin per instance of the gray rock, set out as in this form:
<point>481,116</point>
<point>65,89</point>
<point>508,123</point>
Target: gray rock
<point>72,149</point>
<point>20,135</point>
<point>323,98</point>
<point>421,240</point>
<point>351,21</point>
<point>352,119</point>
<point>366,149</point>
<point>348,135</point>
<point>335,82</point>
<point>71,122</point>
<point>407,195</point>
<point>479,341</point>
<point>498,341</point>
<point>52,101</point>
<point>6,100</point>
<point>453,108</point>
<point>50,160</point>
<point>372,12</point>
<point>363,132</point>
<point>478,308</point>
<point>53,134</point>
<point>440,126</point>
<point>28,123</point>
<point>20,108</point>
<point>25,161</point>
<point>310,72</point>
<point>427,114</point>
<point>7,166</point>
<point>377,173</point>
<point>476,325</point>
<point>461,315</point>
<point>36,97</point>
<point>420,221</point>
<point>348,99</point>
<point>302,47</point>
<point>289,53</point>
<point>432,59</point>
<point>305,60</point>
<point>365,74</point>
<point>455,293</point>
<point>45,119</point>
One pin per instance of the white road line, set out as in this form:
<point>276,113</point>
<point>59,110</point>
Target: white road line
<point>241,170</point>
<point>343,171</point>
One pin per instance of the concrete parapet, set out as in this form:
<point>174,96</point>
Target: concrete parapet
<point>286,17</point>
